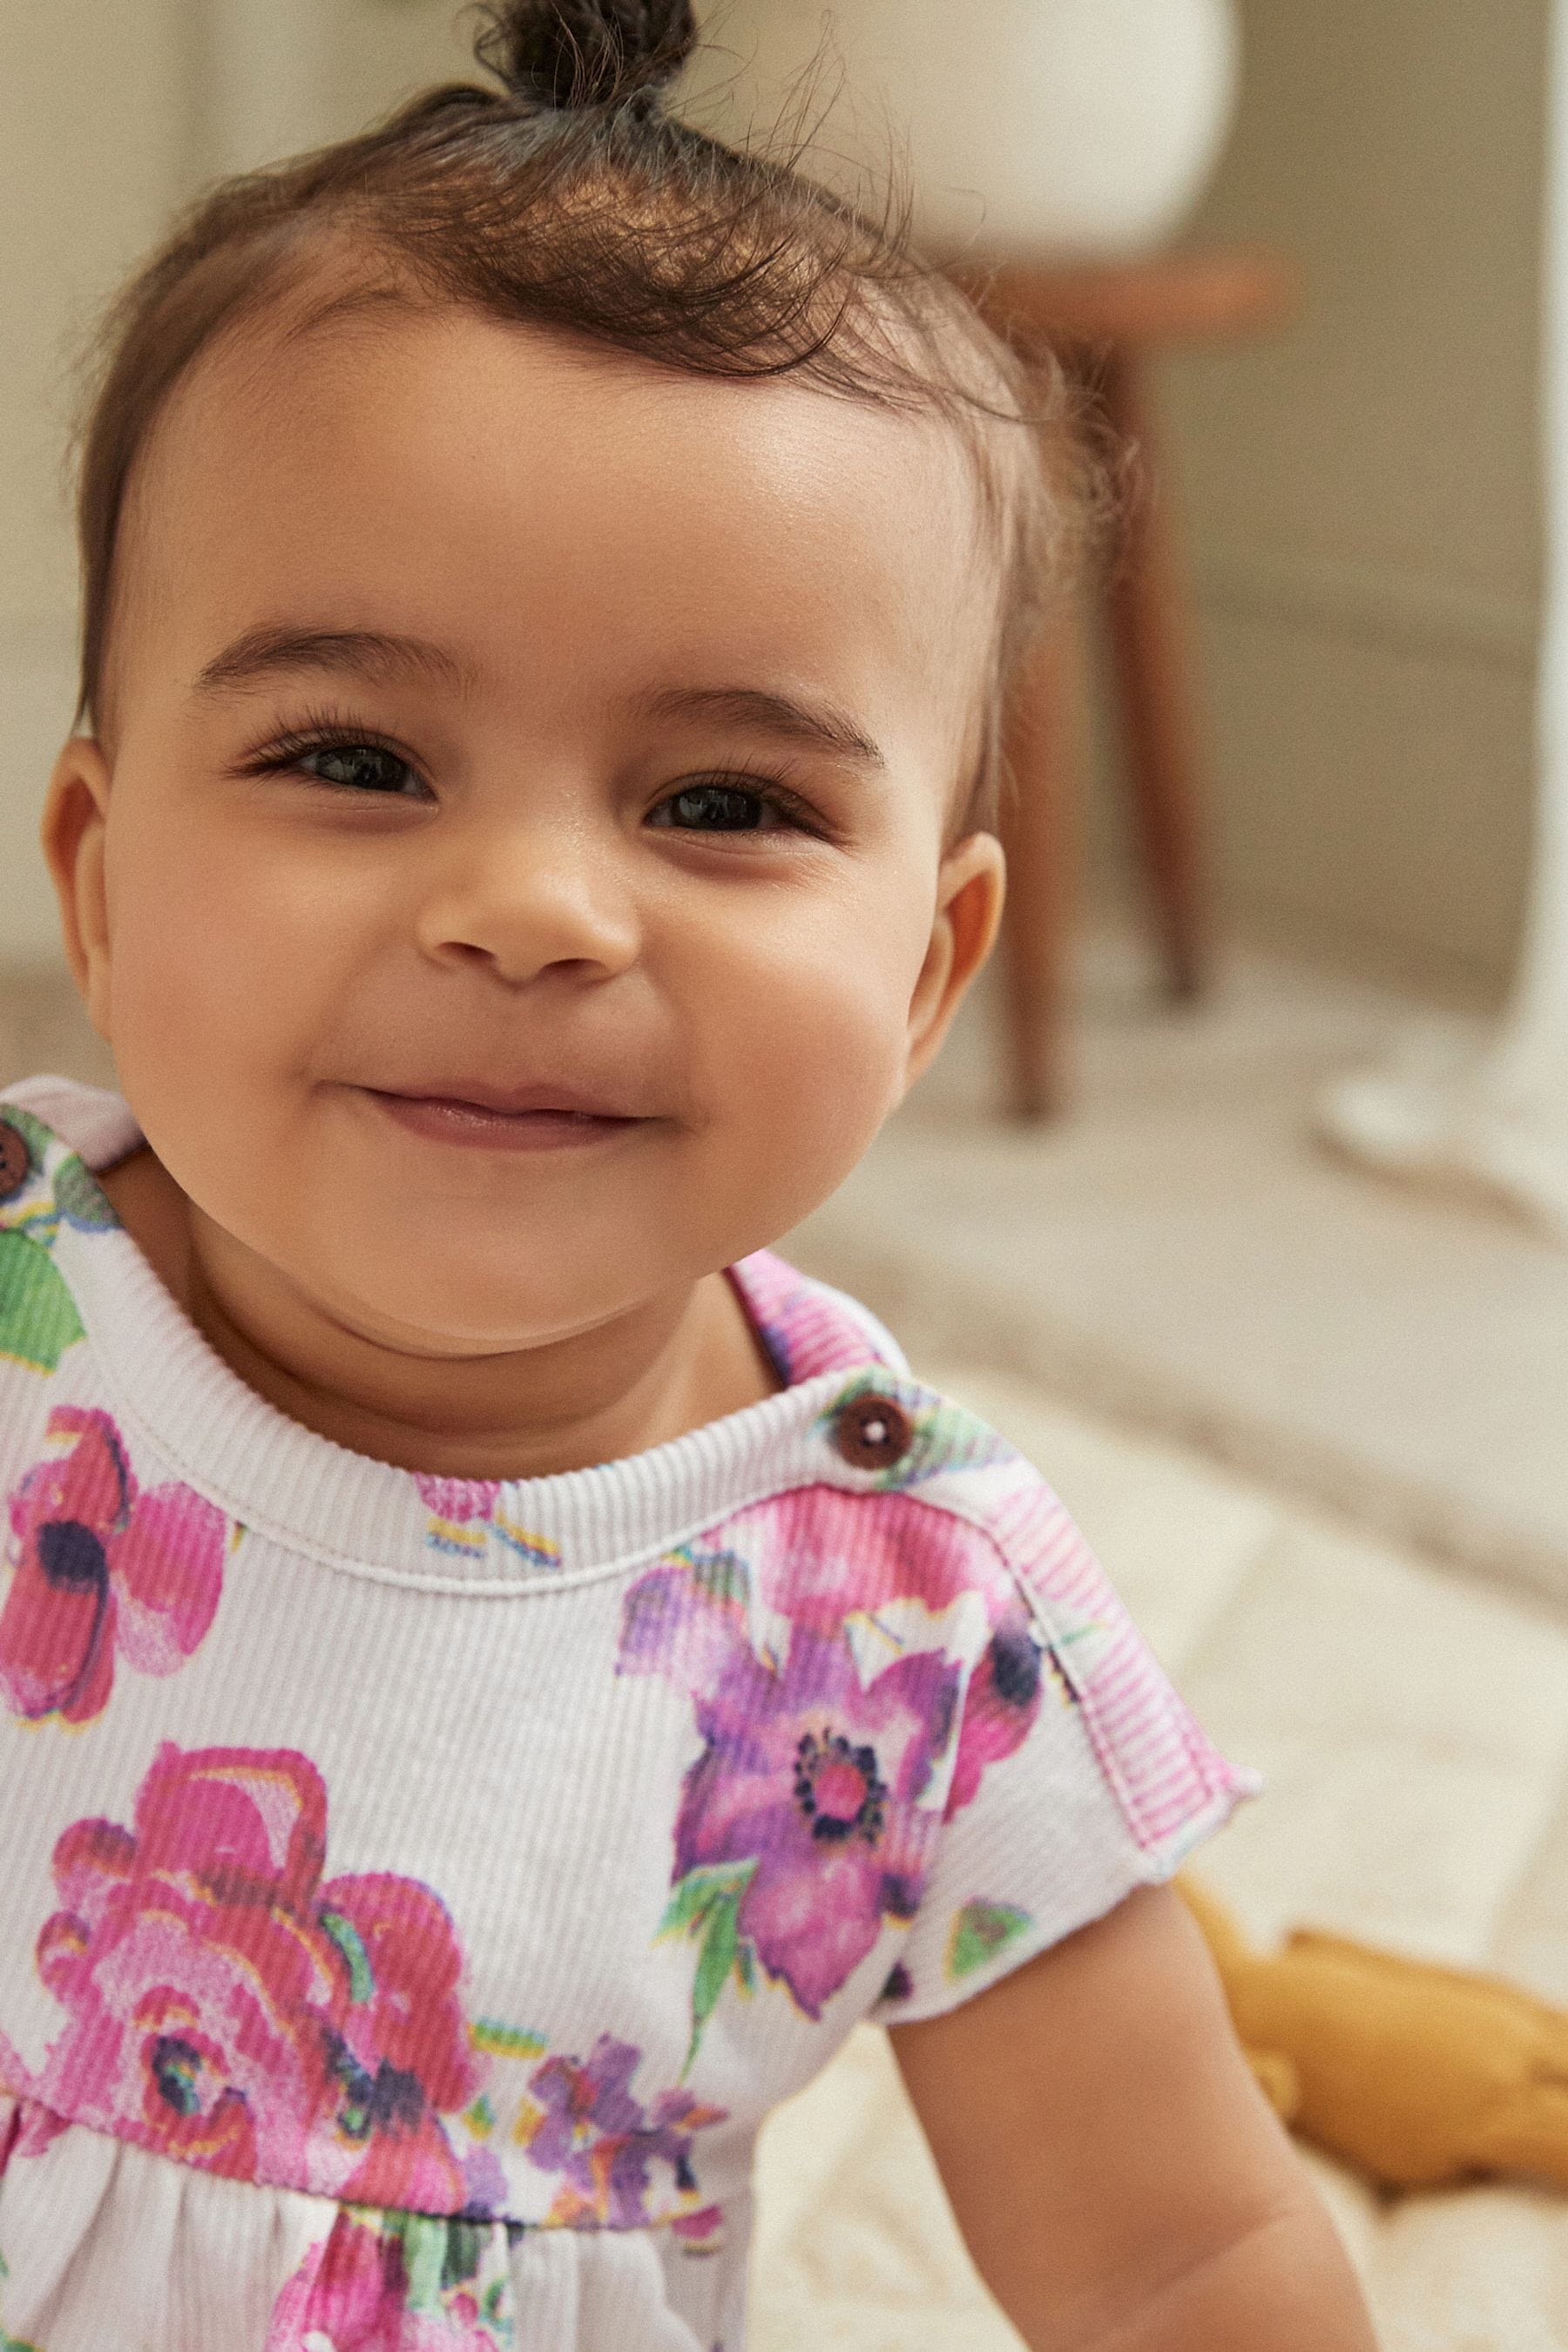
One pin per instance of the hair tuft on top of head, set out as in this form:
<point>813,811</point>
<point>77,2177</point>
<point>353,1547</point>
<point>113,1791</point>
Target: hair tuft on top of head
<point>581,53</point>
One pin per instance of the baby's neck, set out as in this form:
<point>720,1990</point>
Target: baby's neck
<point>673,1366</point>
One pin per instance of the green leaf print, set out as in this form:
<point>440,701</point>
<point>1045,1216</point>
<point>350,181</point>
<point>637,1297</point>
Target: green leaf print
<point>689,1905</point>
<point>706,1907</point>
<point>39,1320</point>
<point>350,1944</point>
<point>81,1197</point>
<point>11,2343</point>
<point>720,1949</point>
<point>424,2237</point>
<point>465,2250</point>
<point>980,1931</point>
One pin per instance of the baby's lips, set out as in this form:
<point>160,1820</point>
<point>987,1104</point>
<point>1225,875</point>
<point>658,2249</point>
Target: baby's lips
<point>586,1100</point>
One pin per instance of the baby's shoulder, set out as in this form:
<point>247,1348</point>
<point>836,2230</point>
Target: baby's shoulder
<point>902,1515</point>
<point>889,1465</point>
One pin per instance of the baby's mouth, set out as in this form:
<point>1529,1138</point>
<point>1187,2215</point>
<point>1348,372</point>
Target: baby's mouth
<point>553,1118</point>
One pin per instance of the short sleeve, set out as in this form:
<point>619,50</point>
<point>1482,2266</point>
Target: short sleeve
<point>1080,1773</point>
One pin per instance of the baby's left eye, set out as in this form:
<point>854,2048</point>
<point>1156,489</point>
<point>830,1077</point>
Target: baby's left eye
<point>719,807</point>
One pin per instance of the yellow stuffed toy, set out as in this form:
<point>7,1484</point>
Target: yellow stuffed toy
<point>1419,2075</point>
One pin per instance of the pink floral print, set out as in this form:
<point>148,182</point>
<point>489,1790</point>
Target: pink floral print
<point>458,1498</point>
<point>229,2007</point>
<point>100,1566</point>
<point>826,1653</point>
<point>405,2282</point>
<point>396,2283</point>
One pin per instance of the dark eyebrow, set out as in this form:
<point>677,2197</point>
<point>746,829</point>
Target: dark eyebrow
<point>767,713</point>
<point>257,654</point>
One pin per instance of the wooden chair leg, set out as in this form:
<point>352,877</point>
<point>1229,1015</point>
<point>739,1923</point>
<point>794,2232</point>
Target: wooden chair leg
<point>1042,743</point>
<point>1150,656</point>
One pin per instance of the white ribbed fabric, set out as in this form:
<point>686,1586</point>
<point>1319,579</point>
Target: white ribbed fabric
<point>418,1889</point>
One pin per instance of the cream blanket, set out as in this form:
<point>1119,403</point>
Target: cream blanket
<point>1414,1730</point>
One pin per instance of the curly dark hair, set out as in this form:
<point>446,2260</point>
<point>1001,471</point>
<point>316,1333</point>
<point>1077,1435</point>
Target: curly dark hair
<point>571,196</point>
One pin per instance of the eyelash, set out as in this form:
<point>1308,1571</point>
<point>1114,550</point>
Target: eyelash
<point>332,731</point>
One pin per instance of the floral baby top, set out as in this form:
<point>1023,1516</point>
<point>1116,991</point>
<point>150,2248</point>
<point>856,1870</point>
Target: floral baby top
<point>418,1889</point>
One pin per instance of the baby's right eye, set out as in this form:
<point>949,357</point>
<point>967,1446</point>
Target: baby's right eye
<point>357,762</point>
<point>349,765</point>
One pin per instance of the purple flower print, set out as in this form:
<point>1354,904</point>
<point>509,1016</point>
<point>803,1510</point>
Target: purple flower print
<point>825,1648</point>
<point>818,1563</point>
<point>101,1565</point>
<point>601,2141</point>
<point>815,1778</point>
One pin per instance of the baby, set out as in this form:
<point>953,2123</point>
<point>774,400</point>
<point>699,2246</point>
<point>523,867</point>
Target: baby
<point>499,1672</point>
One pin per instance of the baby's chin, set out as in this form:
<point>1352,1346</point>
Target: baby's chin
<point>471,1315</point>
<point>459,1296</point>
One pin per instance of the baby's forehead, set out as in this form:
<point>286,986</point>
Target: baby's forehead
<point>256,394</point>
<point>397,440</point>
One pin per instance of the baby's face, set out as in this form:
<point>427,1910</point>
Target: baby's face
<point>654,827</point>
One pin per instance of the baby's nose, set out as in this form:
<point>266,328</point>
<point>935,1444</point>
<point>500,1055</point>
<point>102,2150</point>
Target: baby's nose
<point>531,898</point>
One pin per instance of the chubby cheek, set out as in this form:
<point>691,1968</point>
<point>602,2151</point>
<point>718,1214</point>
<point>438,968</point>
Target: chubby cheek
<point>801,1055</point>
<point>223,967</point>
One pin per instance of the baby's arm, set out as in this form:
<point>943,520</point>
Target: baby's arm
<point>1120,2180</point>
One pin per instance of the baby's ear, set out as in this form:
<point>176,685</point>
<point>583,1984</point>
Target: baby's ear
<point>971,885</point>
<point>72,834</point>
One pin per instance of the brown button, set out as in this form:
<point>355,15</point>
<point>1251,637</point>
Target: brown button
<point>873,1433</point>
<point>14,1160</point>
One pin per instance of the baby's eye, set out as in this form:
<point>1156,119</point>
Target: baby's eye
<point>722,807</point>
<point>364,767</point>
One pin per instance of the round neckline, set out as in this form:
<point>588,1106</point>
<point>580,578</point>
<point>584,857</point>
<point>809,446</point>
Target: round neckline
<point>272,1474</point>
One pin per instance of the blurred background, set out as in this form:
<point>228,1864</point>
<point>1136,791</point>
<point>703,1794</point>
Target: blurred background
<point>1277,1293</point>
